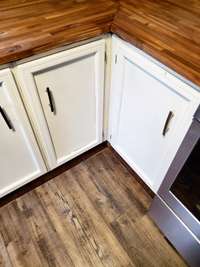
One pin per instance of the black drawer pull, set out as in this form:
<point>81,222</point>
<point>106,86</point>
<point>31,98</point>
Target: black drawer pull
<point>166,128</point>
<point>6,119</point>
<point>51,100</point>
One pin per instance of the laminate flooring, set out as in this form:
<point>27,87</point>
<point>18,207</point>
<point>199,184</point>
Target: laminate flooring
<point>92,215</point>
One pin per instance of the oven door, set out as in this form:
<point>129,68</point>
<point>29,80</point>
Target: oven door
<point>181,187</point>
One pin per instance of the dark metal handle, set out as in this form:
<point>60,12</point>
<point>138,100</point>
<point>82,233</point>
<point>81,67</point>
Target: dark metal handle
<point>169,117</point>
<point>6,119</point>
<point>51,102</point>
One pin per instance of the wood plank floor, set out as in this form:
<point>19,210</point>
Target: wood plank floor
<point>93,215</point>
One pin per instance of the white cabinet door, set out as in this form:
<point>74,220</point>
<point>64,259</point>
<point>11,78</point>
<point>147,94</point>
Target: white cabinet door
<point>20,158</point>
<point>146,100</point>
<point>64,94</point>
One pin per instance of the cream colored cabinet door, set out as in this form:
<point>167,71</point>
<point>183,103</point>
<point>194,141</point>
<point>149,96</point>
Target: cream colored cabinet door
<point>151,111</point>
<point>20,158</point>
<point>64,97</point>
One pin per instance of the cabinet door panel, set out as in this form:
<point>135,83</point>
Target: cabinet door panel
<point>143,97</point>
<point>145,105</point>
<point>20,159</point>
<point>73,124</point>
<point>74,80</point>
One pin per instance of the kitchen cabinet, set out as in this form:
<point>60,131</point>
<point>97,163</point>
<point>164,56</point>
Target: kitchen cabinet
<point>151,110</point>
<point>63,94</point>
<point>20,157</point>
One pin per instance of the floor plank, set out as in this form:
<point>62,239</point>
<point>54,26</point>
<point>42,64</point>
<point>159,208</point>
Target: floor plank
<point>93,215</point>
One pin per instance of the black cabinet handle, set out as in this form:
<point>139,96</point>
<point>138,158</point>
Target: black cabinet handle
<point>169,117</point>
<point>6,119</point>
<point>51,101</point>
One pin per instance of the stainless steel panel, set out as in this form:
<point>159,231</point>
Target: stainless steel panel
<point>181,157</point>
<point>176,232</point>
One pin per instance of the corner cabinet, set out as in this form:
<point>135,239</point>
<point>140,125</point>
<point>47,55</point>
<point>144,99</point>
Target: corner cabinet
<point>151,111</point>
<point>20,158</point>
<point>63,94</point>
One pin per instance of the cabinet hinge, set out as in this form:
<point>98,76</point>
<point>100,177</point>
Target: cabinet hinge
<point>110,136</point>
<point>115,59</point>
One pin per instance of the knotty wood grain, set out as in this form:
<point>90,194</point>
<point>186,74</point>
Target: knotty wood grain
<point>92,215</point>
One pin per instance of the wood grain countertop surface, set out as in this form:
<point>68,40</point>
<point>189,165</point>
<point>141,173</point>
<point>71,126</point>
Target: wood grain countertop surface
<point>168,30</point>
<point>28,27</point>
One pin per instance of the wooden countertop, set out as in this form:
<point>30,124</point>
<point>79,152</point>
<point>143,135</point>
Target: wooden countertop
<point>169,30</point>
<point>28,27</point>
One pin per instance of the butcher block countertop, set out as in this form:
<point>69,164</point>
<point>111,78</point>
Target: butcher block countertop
<point>169,30</point>
<point>28,27</point>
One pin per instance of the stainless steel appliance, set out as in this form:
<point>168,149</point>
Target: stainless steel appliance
<point>176,208</point>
